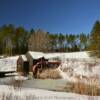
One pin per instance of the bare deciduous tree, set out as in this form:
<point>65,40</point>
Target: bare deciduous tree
<point>39,41</point>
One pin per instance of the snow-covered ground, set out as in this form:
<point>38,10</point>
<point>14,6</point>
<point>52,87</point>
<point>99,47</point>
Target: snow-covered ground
<point>78,55</point>
<point>75,71</point>
<point>8,64</point>
<point>9,93</point>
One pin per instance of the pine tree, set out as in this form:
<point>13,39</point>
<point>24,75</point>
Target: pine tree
<point>95,39</point>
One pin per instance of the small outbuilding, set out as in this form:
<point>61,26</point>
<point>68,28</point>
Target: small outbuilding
<point>33,58</point>
<point>22,65</point>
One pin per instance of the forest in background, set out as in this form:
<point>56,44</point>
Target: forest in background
<point>17,40</point>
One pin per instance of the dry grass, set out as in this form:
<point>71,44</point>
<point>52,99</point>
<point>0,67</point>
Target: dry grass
<point>49,74</point>
<point>12,96</point>
<point>82,88</point>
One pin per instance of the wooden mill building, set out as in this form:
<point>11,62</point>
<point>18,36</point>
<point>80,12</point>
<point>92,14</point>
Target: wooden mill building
<point>25,63</point>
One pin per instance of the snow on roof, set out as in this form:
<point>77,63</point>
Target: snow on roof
<point>51,55</point>
<point>36,55</point>
<point>24,57</point>
<point>68,55</point>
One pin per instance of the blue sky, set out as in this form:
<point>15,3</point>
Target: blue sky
<point>54,16</point>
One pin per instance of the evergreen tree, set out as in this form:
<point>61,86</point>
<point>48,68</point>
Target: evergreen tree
<point>95,39</point>
<point>71,42</point>
<point>83,41</point>
<point>61,39</point>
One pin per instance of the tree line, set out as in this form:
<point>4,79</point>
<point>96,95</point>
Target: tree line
<point>17,40</point>
<point>13,40</point>
<point>49,42</point>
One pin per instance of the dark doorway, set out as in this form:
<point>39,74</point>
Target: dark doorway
<point>26,68</point>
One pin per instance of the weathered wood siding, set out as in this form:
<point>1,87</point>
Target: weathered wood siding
<point>20,63</point>
<point>30,60</point>
<point>22,66</point>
